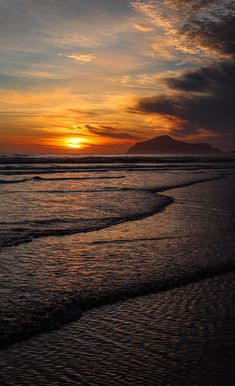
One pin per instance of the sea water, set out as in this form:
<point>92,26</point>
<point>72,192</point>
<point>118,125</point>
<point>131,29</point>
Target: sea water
<point>77,234</point>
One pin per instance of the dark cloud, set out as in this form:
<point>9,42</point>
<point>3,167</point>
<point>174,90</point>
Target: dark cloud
<point>196,26</point>
<point>204,98</point>
<point>213,110</point>
<point>206,79</point>
<point>110,131</point>
<point>105,131</point>
<point>217,36</point>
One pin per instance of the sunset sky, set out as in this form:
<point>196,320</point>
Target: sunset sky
<point>95,76</point>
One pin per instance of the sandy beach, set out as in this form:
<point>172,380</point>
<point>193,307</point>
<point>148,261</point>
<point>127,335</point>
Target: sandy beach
<point>178,336</point>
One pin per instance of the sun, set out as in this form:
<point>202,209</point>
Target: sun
<point>74,143</point>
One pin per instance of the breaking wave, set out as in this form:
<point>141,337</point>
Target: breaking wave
<point>39,178</point>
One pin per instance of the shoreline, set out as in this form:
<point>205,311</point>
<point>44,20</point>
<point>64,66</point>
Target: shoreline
<point>134,217</point>
<point>76,305</point>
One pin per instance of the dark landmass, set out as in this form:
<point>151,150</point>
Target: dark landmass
<point>167,145</point>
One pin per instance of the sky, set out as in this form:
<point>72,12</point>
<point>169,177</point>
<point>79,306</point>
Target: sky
<point>97,76</point>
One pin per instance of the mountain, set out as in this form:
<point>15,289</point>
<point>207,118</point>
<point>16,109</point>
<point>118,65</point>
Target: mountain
<point>167,145</point>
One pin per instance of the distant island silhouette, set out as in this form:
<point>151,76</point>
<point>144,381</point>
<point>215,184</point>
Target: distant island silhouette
<point>166,145</point>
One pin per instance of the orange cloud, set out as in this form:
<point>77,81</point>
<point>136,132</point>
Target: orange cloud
<point>142,27</point>
<point>83,58</point>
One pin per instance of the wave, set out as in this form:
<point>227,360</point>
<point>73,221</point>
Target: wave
<point>8,159</point>
<point>15,233</point>
<point>38,178</point>
<point>15,172</point>
<point>13,181</point>
<point>164,188</point>
<point>62,191</point>
<point>55,315</point>
<point>21,232</point>
<point>115,168</point>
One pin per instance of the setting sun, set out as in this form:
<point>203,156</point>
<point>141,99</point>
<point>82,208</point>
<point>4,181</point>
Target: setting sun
<point>74,143</point>
<point>117,186</point>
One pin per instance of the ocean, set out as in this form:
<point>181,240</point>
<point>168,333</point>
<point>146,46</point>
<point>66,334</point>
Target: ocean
<point>117,270</point>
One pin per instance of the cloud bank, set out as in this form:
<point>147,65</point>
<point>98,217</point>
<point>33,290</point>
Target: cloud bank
<point>202,99</point>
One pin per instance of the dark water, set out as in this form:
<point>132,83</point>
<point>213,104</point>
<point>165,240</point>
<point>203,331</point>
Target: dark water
<point>76,236</point>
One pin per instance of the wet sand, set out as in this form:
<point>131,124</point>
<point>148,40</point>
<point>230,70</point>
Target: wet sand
<point>182,336</point>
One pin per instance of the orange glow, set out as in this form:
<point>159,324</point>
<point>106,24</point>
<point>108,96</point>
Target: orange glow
<point>74,143</point>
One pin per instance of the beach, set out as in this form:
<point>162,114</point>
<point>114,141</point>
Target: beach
<point>142,296</point>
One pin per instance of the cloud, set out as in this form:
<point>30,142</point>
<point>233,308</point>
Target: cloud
<point>214,79</point>
<point>193,26</point>
<point>125,79</point>
<point>83,58</point>
<point>107,131</point>
<point>207,105</point>
<point>202,99</point>
<point>142,27</point>
<point>39,27</point>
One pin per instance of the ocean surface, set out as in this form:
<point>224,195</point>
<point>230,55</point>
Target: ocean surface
<point>117,270</point>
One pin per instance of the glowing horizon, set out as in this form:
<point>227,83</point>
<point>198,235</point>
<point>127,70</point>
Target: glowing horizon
<point>113,73</point>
